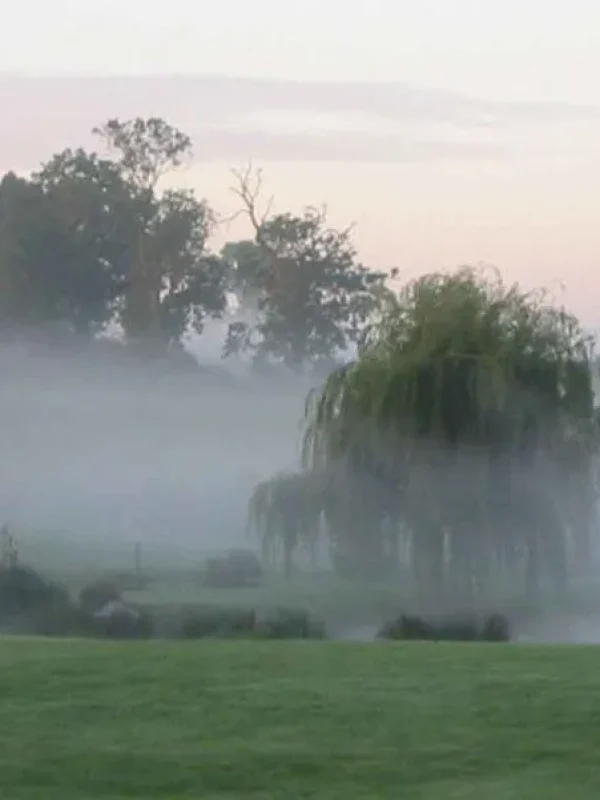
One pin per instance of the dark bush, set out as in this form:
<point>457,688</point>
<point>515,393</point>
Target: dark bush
<point>496,628</point>
<point>29,604</point>
<point>125,623</point>
<point>216,622</point>
<point>459,628</point>
<point>290,624</point>
<point>406,627</point>
<point>236,569</point>
<point>23,590</point>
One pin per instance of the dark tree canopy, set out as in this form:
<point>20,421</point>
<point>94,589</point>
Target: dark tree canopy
<point>310,294</point>
<point>66,244</point>
<point>146,149</point>
<point>91,240</point>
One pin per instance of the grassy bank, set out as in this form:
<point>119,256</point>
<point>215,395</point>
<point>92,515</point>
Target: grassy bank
<point>284,720</point>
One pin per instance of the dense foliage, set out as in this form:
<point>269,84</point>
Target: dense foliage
<point>90,242</point>
<point>458,449</point>
<point>310,296</point>
<point>460,446</point>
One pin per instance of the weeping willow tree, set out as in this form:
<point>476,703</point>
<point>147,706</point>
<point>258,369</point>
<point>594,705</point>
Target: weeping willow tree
<point>470,409</point>
<point>295,509</point>
<point>286,511</point>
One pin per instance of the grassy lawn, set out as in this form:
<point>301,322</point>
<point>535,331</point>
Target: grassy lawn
<point>83,720</point>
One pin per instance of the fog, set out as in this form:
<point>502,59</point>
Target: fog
<point>103,450</point>
<point>98,452</point>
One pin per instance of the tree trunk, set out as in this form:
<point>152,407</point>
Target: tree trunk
<point>428,555</point>
<point>290,540</point>
<point>582,546</point>
<point>532,567</point>
<point>556,553</point>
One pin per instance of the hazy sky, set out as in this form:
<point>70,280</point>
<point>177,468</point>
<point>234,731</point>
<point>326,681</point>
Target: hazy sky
<point>477,137</point>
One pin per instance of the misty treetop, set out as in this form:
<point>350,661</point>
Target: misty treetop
<point>91,240</point>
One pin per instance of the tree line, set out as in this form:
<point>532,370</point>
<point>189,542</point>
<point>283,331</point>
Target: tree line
<point>459,448</point>
<point>89,240</point>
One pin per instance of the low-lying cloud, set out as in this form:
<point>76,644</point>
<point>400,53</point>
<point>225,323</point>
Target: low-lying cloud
<point>50,113</point>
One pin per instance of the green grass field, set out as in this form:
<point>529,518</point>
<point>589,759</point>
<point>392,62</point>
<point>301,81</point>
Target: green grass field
<point>83,720</point>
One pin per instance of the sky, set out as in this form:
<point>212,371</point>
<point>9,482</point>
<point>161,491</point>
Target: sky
<point>448,131</point>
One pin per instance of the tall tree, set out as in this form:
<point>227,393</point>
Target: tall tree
<point>472,402</point>
<point>464,437</point>
<point>313,296</point>
<point>192,281</point>
<point>173,281</point>
<point>65,243</point>
<point>89,240</point>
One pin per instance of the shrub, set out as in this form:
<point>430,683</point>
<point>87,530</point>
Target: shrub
<point>496,628</point>
<point>406,627</point>
<point>29,604</point>
<point>290,624</point>
<point>213,622</point>
<point>236,569</point>
<point>23,590</point>
<point>124,623</point>
<point>218,622</point>
<point>460,628</point>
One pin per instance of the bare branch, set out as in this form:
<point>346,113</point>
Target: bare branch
<point>248,188</point>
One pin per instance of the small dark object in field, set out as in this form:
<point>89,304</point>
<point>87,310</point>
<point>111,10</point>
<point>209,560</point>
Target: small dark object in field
<point>236,569</point>
<point>496,628</point>
<point>23,590</point>
<point>406,627</point>
<point>97,594</point>
<point>218,623</point>
<point>460,628</point>
<point>286,623</point>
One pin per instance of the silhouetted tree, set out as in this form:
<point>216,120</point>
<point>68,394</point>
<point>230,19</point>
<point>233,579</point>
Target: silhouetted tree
<point>312,296</point>
<point>173,281</point>
<point>90,240</point>
<point>65,244</point>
